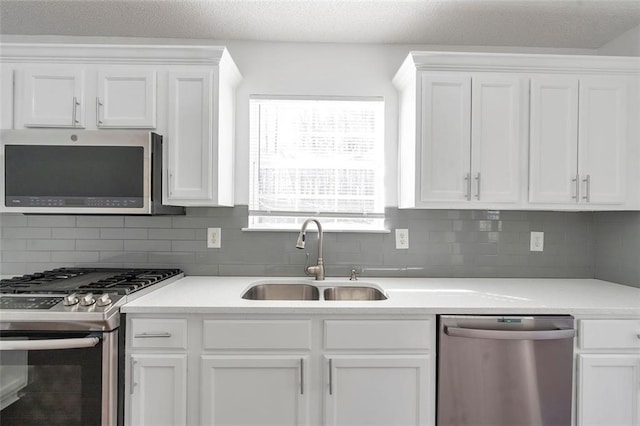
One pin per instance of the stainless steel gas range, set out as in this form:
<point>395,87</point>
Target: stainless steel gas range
<point>62,344</point>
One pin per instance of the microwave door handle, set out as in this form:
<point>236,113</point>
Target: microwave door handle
<point>510,334</point>
<point>49,344</point>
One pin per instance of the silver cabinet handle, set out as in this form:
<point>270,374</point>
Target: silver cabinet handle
<point>510,334</point>
<point>478,186</point>
<point>587,189</point>
<point>48,344</point>
<point>74,111</point>
<point>149,335</point>
<point>132,382</point>
<point>301,376</point>
<point>330,376</point>
<point>576,183</point>
<point>467,180</point>
<point>98,112</point>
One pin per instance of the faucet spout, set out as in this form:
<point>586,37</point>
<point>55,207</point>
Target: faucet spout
<point>316,270</point>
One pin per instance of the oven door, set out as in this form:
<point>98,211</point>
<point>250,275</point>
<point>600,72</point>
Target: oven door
<point>58,378</point>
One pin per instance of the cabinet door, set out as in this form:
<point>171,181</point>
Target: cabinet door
<point>608,390</point>
<point>377,390</point>
<point>254,390</point>
<point>553,140</point>
<point>50,97</point>
<point>158,390</point>
<point>190,146</point>
<point>446,135</point>
<point>6,100</point>
<point>126,98</point>
<point>496,138</point>
<point>602,140</point>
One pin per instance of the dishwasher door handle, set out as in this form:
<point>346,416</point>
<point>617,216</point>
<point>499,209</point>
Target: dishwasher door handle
<point>510,334</point>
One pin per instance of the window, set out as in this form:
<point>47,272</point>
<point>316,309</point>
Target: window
<point>320,157</point>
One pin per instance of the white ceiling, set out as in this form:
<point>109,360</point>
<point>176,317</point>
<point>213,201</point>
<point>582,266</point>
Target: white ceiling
<point>585,24</point>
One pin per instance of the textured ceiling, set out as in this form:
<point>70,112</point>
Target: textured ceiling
<point>533,23</point>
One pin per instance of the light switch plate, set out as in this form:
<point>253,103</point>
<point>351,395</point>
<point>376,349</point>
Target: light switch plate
<point>537,241</point>
<point>214,238</point>
<point>402,239</point>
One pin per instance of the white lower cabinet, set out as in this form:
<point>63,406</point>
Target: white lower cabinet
<point>263,370</point>
<point>609,390</point>
<point>608,373</point>
<point>253,390</point>
<point>156,372</point>
<point>158,390</point>
<point>377,390</point>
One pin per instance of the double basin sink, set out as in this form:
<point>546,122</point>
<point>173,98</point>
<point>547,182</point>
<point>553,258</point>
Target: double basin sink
<point>323,290</point>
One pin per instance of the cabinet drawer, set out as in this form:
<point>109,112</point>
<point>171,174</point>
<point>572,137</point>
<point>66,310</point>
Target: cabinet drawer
<point>377,334</point>
<point>255,334</point>
<point>158,333</point>
<point>610,334</point>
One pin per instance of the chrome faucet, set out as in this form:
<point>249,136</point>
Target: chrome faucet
<point>318,269</point>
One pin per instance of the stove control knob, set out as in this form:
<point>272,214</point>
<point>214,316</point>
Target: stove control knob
<point>70,300</point>
<point>104,300</point>
<point>87,300</point>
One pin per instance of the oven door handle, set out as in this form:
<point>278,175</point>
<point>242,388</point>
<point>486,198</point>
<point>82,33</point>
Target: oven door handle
<point>48,344</point>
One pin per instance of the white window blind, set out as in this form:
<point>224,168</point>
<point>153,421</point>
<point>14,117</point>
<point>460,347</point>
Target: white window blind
<point>317,157</point>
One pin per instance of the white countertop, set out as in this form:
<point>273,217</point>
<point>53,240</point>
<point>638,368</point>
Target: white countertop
<point>214,295</point>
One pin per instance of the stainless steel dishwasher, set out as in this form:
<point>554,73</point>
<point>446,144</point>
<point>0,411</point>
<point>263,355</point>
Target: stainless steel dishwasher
<point>505,370</point>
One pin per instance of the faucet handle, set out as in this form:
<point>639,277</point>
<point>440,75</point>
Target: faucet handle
<point>306,265</point>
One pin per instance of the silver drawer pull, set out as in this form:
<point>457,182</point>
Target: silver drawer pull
<point>149,335</point>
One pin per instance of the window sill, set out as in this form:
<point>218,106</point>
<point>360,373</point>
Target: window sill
<point>342,231</point>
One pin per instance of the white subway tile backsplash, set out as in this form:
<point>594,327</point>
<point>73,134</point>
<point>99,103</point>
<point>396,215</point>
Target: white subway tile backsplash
<point>444,243</point>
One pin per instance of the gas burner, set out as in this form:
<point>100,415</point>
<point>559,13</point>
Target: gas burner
<point>86,280</point>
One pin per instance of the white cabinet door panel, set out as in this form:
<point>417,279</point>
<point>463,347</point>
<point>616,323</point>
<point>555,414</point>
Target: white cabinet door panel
<point>50,97</point>
<point>126,98</point>
<point>445,148</point>
<point>553,139</point>
<point>159,390</point>
<point>496,138</point>
<point>254,390</point>
<point>189,141</point>
<point>609,390</point>
<point>378,390</point>
<point>602,140</point>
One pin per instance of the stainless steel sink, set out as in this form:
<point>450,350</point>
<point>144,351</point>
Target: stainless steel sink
<point>282,291</point>
<point>353,293</point>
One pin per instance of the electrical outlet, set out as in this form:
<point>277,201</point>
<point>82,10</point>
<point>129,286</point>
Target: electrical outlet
<point>537,241</point>
<point>214,238</point>
<point>402,239</point>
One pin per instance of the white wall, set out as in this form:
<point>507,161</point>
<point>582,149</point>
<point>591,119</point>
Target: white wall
<point>310,69</point>
<point>628,44</point>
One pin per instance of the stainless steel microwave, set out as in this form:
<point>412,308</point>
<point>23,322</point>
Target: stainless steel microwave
<point>82,172</point>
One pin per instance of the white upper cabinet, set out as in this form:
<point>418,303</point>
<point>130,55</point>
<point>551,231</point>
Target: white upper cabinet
<point>50,96</point>
<point>466,149</point>
<point>201,130</point>
<point>184,93</point>
<point>126,98</point>
<point>578,140</point>
<point>554,140</point>
<point>445,146</point>
<point>85,97</point>
<point>497,104</point>
<point>602,139</point>
<point>191,158</point>
<point>506,131</point>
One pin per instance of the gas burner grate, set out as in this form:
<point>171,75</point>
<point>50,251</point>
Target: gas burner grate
<point>85,280</point>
